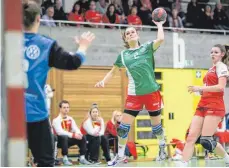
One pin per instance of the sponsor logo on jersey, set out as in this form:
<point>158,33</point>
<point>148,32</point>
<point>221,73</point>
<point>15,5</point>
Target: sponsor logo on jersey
<point>32,52</point>
<point>126,54</point>
<point>129,104</point>
<point>210,112</point>
<point>156,104</point>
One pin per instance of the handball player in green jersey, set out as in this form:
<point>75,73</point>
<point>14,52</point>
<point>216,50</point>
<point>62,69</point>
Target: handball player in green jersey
<point>143,90</point>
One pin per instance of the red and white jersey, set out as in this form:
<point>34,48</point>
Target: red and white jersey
<point>65,126</point>
<point>212,78</point>
<point>92,127</point>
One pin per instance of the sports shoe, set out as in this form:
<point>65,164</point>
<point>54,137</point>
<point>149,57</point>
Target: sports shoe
<point>226,160</point>
<point>66,162</point>
<point>227,164</point>
<point>181,164</point>
<point>177,157</point>
<point>84,161</point>
<point>116,160</point>
<point>162,154</point>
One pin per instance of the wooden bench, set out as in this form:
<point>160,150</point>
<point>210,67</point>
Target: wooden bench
<point>73,151</point>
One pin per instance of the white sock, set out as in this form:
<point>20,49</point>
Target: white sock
<point>226,158</point>
<point>65,157</point>
<point>82,157</point>
<point>121,150</point>
<point>162,142</point>
<point>161,138</point>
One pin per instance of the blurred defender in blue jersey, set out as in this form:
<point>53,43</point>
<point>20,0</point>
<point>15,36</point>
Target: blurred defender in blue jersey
<point>40,54</point>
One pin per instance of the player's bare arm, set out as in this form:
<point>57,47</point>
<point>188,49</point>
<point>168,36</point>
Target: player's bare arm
<point>108,76</point>
<point>160,35</point>
<point>215,88</point>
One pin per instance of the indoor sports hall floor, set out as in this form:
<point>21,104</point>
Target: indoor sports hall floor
<point>168,163</point>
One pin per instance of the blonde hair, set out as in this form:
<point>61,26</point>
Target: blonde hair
<point>223,50</point>
<point>114,114</point>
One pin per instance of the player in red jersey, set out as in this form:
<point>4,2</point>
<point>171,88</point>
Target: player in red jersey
<point>210,110</point>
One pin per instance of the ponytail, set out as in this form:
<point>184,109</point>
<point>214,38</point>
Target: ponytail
<point>30,11</point>
<point>126,45</point>
<point>225,59</point>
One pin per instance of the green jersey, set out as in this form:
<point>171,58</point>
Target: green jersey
<point>139,64</point>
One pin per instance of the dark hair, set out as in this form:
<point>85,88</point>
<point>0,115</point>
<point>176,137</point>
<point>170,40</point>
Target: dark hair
<point>223,49</point>
<point>112,18</point>
<point>133,7</point>
<point>30,11</point>
<point>126,45</point>
<point>50,6</point>
<point>63,102</point>
<point>73,8</point>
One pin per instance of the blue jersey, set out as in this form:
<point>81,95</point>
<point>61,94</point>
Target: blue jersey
<point>36,67</point>
<point>40,54</point>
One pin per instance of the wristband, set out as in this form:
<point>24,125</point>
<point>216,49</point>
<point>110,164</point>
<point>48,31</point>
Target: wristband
<point>81,55</point>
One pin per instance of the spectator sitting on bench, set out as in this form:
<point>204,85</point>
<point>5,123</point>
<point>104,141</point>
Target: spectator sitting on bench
<point>93,127</point>
<point>111,134</point>
<point>111,130</point>
<point>68,134</point>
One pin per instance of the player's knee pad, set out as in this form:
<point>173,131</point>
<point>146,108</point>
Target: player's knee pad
<point>123,130</point>
<point>208,143</point>
<point>157,130</point>
<point>155,113</point>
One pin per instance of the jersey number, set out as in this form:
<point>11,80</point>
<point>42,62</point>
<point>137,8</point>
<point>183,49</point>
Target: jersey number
<point>136,56</point>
